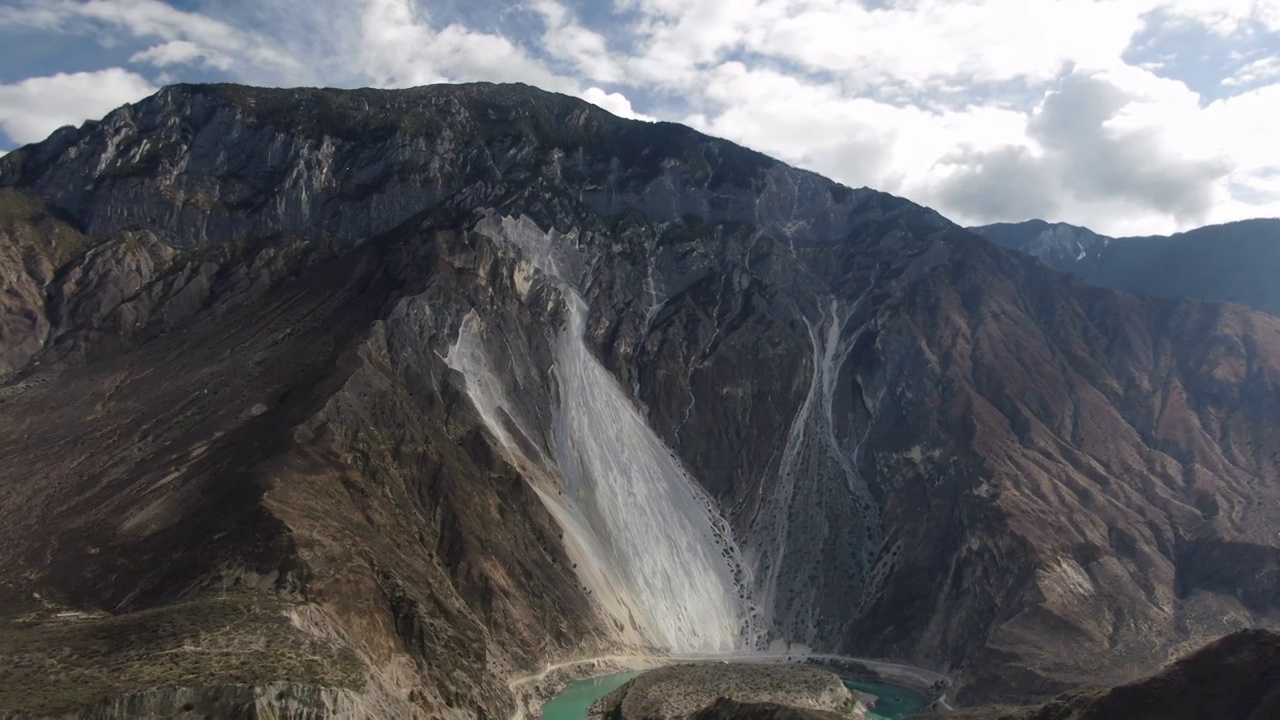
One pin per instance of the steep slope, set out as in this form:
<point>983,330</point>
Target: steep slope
<point>1237,677</point>
<point>1236,262</point>
<point>268,446</point>
<point>463,379</point>
<point>33,244</point>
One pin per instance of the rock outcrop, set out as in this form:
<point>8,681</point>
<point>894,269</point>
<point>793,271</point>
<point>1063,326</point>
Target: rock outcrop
<point>332,349</point>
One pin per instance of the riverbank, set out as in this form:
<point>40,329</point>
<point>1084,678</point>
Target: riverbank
<point>531,691</point>
<point>684,690</point>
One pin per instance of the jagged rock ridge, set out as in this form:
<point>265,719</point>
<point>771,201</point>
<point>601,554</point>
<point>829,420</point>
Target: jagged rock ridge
<point>922,446</point>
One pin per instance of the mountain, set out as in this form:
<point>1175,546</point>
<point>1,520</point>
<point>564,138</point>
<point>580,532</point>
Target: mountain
<point>1235,678</point>
<point>378,402</point>
<point>1236,262</point>
<point>1060,245</point>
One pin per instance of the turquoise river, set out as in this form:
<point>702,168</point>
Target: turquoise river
<point>571,704</point>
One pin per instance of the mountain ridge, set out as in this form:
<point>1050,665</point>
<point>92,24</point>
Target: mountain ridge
<point>870,396</point>
<point>1230,262</point>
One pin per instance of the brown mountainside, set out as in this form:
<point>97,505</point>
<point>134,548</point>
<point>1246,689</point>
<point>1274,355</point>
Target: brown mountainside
<point>236,415</point>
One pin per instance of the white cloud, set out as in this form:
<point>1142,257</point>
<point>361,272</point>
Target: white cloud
<point>37,15</point>
<point>567,40</point>
<point>182,52</point>
<point>1225,17</point>
<point>679,38</point>
<point>807,124</point>
<point>923,42</point>
<point>382,43</point>
<point>616,103</point>
<point>1261,70</point>
<point>913,43</point>
<point>399,47</point>
<point>35,107</point>
<point>1123,151</point>
<point>865,110</point>
<point>1100,157</point>
<point>152,19</point>
<point>1242,127</point>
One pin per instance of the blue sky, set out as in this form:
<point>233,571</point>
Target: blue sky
<point>1129,116</point>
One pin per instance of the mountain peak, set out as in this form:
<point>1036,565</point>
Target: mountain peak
<point>210,163</point>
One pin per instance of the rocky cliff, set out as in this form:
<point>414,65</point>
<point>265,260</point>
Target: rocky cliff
<point>463,379</point>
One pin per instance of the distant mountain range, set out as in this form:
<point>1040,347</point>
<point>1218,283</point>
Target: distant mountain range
<point>1237,262</point>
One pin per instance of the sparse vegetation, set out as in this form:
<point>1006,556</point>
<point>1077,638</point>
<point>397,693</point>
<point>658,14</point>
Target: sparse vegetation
<point>53,663</point>
<point>680,691</point>
<point>36,229</point>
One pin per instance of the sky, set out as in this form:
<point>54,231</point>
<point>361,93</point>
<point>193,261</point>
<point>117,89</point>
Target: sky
<point>1127,116</point>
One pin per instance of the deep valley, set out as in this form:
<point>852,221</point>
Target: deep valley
<point>371,402</point>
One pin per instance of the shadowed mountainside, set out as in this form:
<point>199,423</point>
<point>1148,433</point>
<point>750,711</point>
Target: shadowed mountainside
<point>1235,262</point>
<point>1235,678</point>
